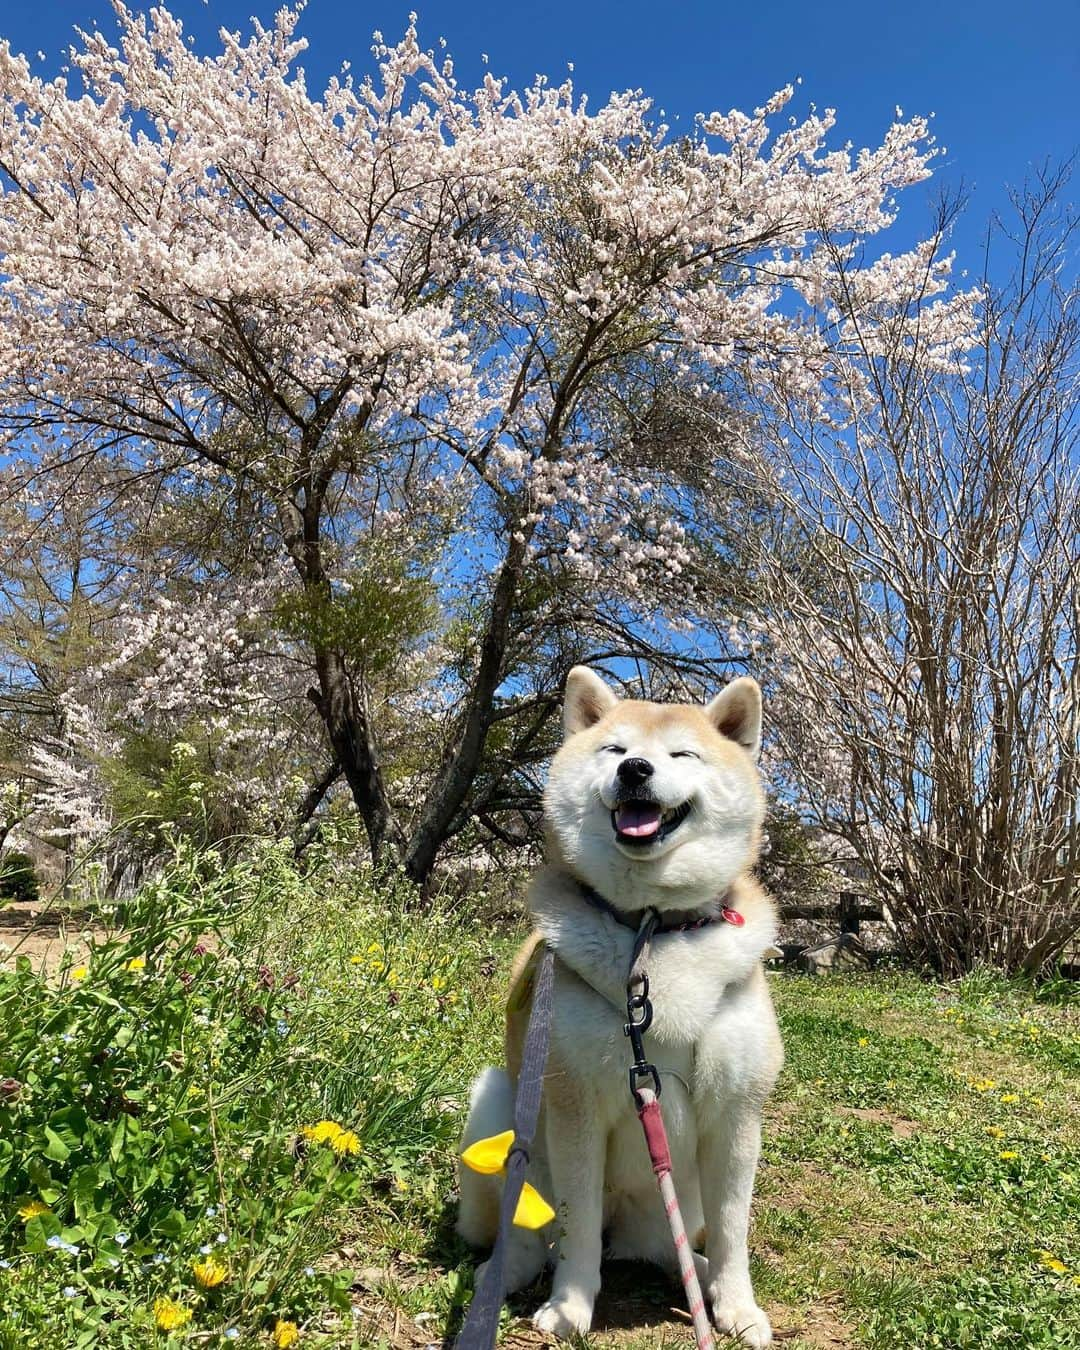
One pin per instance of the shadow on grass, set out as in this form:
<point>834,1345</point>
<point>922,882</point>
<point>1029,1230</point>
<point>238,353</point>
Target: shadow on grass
<point>634,1296</point>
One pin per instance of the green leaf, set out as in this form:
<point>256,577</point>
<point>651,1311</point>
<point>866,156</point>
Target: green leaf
<point>116,1143</point>
<point>181,1131</point>
<point>83,1186</point>
<point>39,1174</point>
<point>70,1125</point>
<point>173,1223</point>
<point>38,1230</point>
<point>55,1147</point>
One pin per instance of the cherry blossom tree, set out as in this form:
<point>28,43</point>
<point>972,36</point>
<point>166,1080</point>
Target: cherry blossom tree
<point>406,319</point>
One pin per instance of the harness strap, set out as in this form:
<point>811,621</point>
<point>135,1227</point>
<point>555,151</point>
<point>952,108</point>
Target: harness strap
<point>482,1323</point>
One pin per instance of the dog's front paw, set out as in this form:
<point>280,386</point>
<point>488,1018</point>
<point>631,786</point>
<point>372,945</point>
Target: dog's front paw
<point>745,1321</point>
<point>564,1317</point>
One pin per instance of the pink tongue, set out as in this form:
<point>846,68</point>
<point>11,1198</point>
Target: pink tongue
<point>638,819</point>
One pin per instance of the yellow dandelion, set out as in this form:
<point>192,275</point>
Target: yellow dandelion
<point>995,1132</point>
<point>136,963</point>
<point>32,1209</point>
<point>285,1334</point>
<point>358,959</point>
<point>209,1273</point>
<point>1037,1103</point>
<point>374,948</point>
<point>345,1143</point>
<point>392,977</point>
<point>170,1315</point>
<point>322,1133</point>
<point>437,982</point>
<point>864,1040</point>
<point>1008,1154</point>
<point>80,973</point>
<point>1050,1262</point>
<point>377,966</point>
<point>1010,1097</point>
<point>982,1084</point>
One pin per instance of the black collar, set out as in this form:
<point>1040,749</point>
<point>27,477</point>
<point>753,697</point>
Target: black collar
<point>721,914</point>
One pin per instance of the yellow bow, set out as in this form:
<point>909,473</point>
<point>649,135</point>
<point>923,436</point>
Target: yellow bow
<point>488,1156</point>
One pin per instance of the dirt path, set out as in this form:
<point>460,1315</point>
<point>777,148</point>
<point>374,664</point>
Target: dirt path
<point>45,933</point>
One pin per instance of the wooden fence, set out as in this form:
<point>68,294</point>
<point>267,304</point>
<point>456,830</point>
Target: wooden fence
<point>847,911</point>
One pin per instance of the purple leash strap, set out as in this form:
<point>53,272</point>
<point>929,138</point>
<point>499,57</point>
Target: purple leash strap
<point>482,1323</point>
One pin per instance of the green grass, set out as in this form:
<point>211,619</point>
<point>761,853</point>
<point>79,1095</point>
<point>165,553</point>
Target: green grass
<point>918,1185</point>
<point>922,1165</point>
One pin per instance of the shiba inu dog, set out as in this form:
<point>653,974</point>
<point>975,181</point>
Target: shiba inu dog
<point>647,805</point>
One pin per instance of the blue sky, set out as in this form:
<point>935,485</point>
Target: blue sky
<point>1001,78</point>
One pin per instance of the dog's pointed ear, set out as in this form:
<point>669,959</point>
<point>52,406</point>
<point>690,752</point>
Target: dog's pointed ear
<point>586,700</point>
<point>736,714</point>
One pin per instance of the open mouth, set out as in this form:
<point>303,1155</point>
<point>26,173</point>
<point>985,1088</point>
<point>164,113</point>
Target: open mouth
<point>640,824</point>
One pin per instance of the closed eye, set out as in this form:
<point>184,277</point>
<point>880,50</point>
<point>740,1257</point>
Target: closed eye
<point>614,749</point>
<point>685,754</point>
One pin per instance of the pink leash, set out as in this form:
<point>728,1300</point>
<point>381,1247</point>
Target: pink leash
<point>652,1122</point>
<point>639,1016</point>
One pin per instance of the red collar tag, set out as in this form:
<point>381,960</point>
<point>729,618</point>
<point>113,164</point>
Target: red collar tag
<point>733,916</point>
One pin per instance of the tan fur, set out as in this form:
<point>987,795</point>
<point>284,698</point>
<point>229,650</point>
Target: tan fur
<point>519,999</point>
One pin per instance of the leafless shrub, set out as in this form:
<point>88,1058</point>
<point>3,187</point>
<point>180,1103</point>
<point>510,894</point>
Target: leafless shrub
<point>925,587</point>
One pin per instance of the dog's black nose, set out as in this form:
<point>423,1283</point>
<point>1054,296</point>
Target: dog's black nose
<point>634,771</point>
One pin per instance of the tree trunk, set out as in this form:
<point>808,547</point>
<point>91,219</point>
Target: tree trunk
<point>347,727</point>
<point>304,827</point>
<point>342,712</point>
<point>459,764</point>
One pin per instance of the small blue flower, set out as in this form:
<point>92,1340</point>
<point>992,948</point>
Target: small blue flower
<point>231,1333</point>
<point>54,1241</point>
<point>122,1239</point>
<point>309,1271</point>
<point>282,1028</point>
<point>5,1265</point>
<point>221,1237</point>
<point>206,1249</point>
<point>211,1211</point>
<point>70,1291</point>
<point>160,1258</point>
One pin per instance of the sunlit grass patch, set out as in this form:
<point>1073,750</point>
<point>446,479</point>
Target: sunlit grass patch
<point>154,1163</point>
<point>251,1135</point>
<point>921,1189</point>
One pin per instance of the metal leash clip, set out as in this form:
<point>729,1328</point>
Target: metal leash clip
<point>639,1016</point>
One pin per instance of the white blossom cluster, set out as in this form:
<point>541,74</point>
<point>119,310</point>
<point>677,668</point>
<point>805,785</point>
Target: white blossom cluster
<point>407,243</point>
<point>432,298</point>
